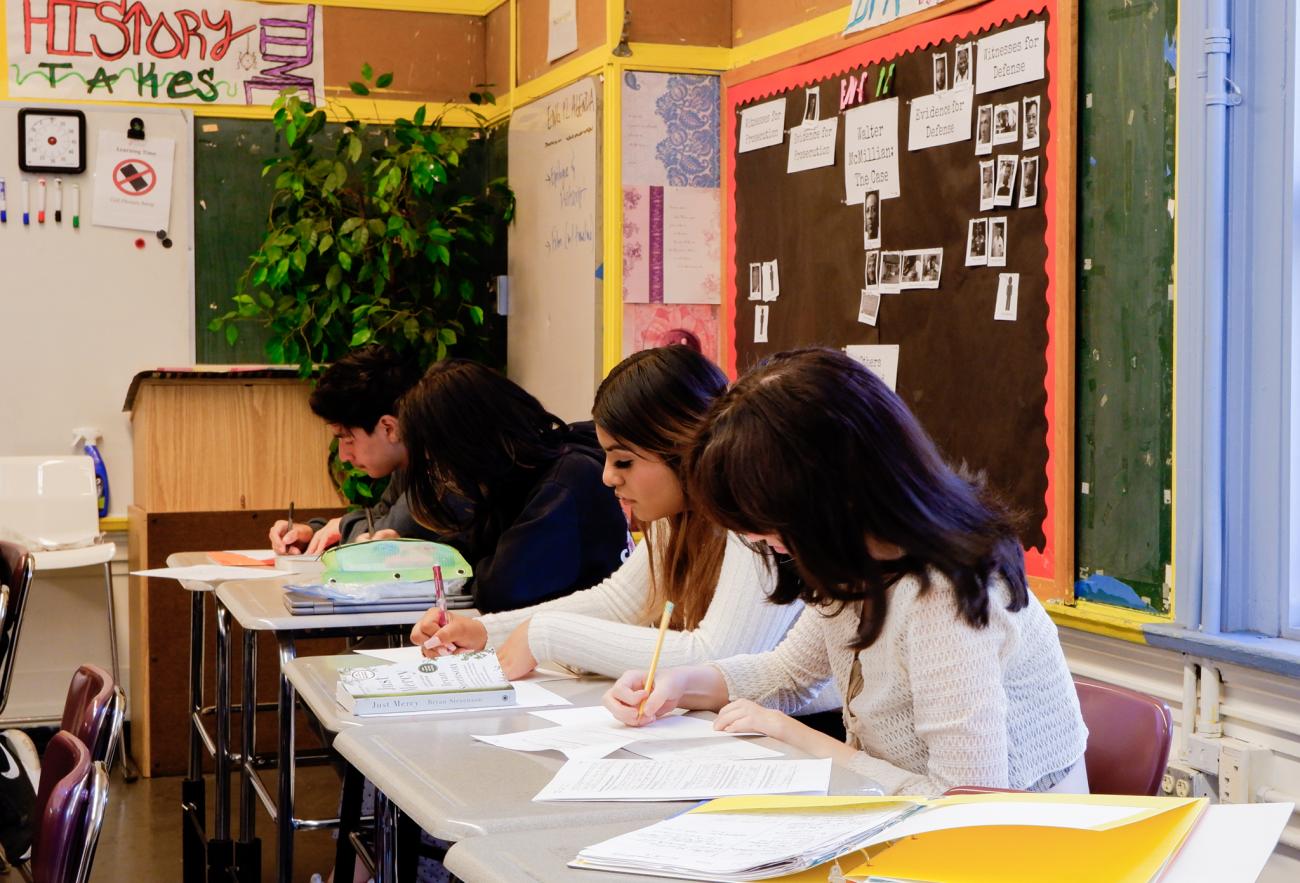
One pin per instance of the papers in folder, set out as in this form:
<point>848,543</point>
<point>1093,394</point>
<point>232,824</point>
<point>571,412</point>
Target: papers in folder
<point>650,780</point>
<point>986,838</point>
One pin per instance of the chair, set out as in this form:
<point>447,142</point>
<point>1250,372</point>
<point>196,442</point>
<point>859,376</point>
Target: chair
<point>53,501</point>
<point>1129,734</point>
<point>93,712</point>
<point>70,812</point>
<point>16,573</point>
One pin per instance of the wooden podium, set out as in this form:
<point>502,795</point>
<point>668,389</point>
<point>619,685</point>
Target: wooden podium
<point>219,455</point>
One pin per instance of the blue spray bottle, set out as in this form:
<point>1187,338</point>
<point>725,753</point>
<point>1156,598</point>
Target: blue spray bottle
<point>89,437</point>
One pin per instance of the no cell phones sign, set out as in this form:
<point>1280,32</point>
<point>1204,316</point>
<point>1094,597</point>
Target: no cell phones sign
<point>133,182</point>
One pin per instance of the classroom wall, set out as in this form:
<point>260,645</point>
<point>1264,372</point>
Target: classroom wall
<point>751,19</point>
<point>532,23</point>
<point>433,57</point>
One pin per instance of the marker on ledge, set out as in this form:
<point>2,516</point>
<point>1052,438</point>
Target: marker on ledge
<point>58,200</point>
<point>40,200</point>
<point>76,206</point>
<point>27,200</point>
<point>4,205</point>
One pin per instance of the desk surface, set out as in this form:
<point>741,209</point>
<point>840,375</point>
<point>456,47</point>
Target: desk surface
<point>189,559</point>
<point>316,678</point>
<point>258,606</point>
<point>455,787</point>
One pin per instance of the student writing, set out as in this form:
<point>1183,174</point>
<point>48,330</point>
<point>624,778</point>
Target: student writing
<point>918,609</point>
<point>646,412</point>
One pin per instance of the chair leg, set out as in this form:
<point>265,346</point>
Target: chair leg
<point>129,771</point>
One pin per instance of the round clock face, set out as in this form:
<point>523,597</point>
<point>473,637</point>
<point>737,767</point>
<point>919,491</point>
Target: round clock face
<point>53,141</point>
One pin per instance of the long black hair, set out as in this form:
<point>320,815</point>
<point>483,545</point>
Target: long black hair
<point>470,433</point>
<point>813,447</point>
<point>656,400</point>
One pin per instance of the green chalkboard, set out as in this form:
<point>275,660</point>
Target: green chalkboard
<point>1124,429</point>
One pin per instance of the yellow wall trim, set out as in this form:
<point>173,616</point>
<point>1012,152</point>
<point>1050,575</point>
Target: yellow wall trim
<point>112,523</point>
<point>1103,619</point>
<point>592,62</point>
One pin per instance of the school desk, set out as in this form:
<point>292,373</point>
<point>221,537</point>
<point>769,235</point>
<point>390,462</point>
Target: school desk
<point>457,788</point>
<point>258,606</point>
<point>1230,842</point>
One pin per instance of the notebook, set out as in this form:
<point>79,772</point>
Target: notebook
<point>300,604</point>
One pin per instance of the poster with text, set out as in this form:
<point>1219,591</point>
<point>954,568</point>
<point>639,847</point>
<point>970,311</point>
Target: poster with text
<point>133,182</point>
<point>164,51</point>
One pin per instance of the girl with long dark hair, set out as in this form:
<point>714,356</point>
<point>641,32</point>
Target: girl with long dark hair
<point>951,672</point>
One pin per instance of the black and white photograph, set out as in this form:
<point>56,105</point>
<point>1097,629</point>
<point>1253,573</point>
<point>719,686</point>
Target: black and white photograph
<point>1005,191</point>
<point>1031,122</point>
<point>984,130</point>
<point>963,68</point>
<point>760,323</point>
<point>812,105</point>
<point>911,269</point>
<point>891,272</point>
<point>869,307</point>
<point>756,281</point>
<point>872,274</point>
<point>771,281</point>
<point>931,268</point>
<point>1028,181</point>
<point>977,243</point>
<point>871,219</point>
<point>986,184</point>
<point>1006,123</point>
<point>1008,294</point>
<point>941,71</point>
<point>997,242</point>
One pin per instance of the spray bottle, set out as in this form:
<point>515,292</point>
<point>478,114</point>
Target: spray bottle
<point>89,437</point>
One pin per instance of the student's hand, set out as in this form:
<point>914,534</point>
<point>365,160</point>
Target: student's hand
<point>427,627</point>
<point>514,654</point>
<point>289,542</point>
<point>386,534</point>
<point>624,698</point>
<point>325,538</point>
<point>747,716</point>
<point>461,634</point>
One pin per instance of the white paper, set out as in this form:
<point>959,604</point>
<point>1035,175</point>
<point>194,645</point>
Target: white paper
<point>592,732</point>
<point>1010,58</point>
<point>133,182</point>
<point>871,220</point>
<point>891,272</point>
<point>997,242</point>
<point>210,573</point>
<point>984,130</point>
<point>1005,189</point>
<point>1006,123</point>
<point>812,105</point>
<point>762,125</point>
<point>880,358</point>
<point>701,749</point>
<point>812,145</point>
<point>527,695</point>
<point>869,307</point>
<point>771,283</point>
<point>1008,297</point>
<point>1252,829</point>
<point>562,30</point>
<point>649,780</point>
<point>1028,182</point>
<point>1031,121</point>
<point>871,150</point>
<point>692,245</point>
<point>943,118</point>
<point>1034,814</point>
<point>411,653</point>
<point>986,184</point>
<point>977,243</point>
<point>756,280</point>
<point>572,742</point>
<point>760,323</point>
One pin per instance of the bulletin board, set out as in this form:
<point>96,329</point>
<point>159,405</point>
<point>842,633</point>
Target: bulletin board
<point>85,308</point>
<point>985,363</point>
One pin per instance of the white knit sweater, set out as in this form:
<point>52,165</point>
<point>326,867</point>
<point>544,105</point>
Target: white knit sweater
<point>604,629</point>
<point>940,703</point>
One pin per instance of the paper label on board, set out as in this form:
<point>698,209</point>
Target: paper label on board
<point>762,125</point>
<point>760,323</point>
<point>562,30</point>
<point>941,118</point>
<point>812,145</point>
<point>133,182</point>
<point>871,151</point>
<point>1011,57</point>
<point>880,358</point>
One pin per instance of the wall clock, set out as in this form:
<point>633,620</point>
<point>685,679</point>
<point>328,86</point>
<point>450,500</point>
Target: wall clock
<point>51,140</point>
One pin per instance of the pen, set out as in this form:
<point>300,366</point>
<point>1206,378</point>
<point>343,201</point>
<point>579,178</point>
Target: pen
<point>40,200</point>
<point>370,524</point>
<point>290,530</point>
<point>654,660</point>
<point>439,592</point>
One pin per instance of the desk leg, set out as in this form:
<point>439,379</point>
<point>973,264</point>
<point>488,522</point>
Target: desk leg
<point>221,848</point>
<point>248,851</point>
<point>345,855</point>
<point>285,767</point>
<point>385,839</point>
<point>193,796</point>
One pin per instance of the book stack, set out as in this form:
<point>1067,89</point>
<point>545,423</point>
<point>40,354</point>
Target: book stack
<point>466,681</point>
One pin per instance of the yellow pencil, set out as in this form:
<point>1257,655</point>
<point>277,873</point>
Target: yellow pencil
<point>654,660</point>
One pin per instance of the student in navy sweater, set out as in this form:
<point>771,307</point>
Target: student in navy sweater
<point>540,522</point>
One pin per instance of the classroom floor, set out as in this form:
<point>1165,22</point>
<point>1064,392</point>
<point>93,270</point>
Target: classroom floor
<point>141,838</point>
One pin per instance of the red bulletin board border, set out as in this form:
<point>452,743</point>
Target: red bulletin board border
<point>1050,571</point>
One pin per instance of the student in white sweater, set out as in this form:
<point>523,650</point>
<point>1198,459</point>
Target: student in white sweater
<point>646,412</point>
<point>951,672</point>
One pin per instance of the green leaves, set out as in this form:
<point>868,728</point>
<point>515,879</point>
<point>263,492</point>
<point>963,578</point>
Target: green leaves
<point>384,81</point>
<point>359,88</point>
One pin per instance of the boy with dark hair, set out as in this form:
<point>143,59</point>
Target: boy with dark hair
<point>357,398</point>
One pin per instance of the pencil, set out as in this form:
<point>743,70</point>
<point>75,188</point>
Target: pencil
<point>370,524</point>
<point>654,660</point>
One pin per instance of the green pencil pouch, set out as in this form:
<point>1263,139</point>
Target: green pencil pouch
<point>387,561</point>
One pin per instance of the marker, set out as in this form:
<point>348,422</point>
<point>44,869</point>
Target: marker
<point>40,200</point>
<point>4,205</point>
<point>27,218</point>
<point>58,200</point>
<point>76,206</point>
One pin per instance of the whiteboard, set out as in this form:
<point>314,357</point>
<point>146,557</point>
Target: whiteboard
<point>83,310</point>
<point>555,316</point>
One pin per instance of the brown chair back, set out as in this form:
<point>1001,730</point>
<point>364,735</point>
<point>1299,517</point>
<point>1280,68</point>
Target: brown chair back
<point>1128,738</point>
<point>17,570</point>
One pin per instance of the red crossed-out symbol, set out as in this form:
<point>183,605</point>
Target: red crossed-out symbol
<point>134,177</point>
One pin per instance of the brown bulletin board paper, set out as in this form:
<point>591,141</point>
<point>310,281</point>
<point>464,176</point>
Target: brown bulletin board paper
<point>995,395</point>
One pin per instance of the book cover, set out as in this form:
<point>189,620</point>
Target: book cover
<point>469,680</point>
